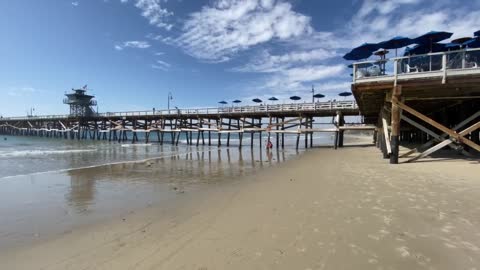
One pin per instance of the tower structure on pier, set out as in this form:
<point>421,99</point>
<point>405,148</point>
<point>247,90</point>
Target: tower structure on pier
<point>81,104</point>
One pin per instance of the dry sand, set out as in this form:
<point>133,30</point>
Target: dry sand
<point>345,209</point>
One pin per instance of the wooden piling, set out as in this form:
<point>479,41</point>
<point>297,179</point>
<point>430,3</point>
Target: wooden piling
<point>395,123</point>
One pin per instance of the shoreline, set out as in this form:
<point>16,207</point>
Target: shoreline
<point>105,192</point>
<point>309,213</point>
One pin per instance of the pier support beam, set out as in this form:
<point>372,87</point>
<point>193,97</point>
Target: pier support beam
<point>454,136</point>
<point>306,131</point>
<point>341,123</point>
<point>395,122</point>
<point>386,145</point>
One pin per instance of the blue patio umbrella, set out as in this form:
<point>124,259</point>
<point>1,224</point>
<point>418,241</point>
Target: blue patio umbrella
<point>364,65</point>
<point>223,102</point>
<point>361,52</point>
<point>477,33</point>
<point>424,49</point>
<point>257,100</point>
<point>295,98</point>
<point>273,99</point>
<point>396,43</point>
<point>236,101</point>
<point>318,96</point>
<point>432,37</point>
<point>472,43</point>
<point>345,94</point>
<point>452,46</point>
<point>357,55</point>
<point>461,40</point>
<point>366,47</point>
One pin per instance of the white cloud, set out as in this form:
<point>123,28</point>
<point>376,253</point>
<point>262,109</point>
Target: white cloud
<point>153,36</point>
<point>383,7</point>
<point>75,4</point>
<point>380,20</point>
<point>226,27</point>
<point>22,91</point>
<point>302,56</point>
<point>163,63</point>
<point>266,62</point>
<point>160,67</point>
<point>153,11</point>
<point>333,86</point>
<point>295,79</point>
<point>132,44</point>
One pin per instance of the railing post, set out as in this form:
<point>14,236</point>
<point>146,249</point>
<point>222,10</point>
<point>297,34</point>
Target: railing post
<point>444,67</point>
<point>395,71</point>
<point>354,75</point>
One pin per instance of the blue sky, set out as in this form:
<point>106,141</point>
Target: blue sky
<point>132,53</point>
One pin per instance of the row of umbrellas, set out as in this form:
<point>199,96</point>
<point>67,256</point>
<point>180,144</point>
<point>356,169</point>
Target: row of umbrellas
<point>424,44</point>
<point>294,98</point>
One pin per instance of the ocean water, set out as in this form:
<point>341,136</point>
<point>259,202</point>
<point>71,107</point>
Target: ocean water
<point>51,186</point>
<point>21,155</point>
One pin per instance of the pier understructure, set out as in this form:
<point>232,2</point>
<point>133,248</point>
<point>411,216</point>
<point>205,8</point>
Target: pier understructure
<point>426,107</point>
<point>199,126</point>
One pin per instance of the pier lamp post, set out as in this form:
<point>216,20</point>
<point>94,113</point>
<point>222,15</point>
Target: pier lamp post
<point>170,97</point>
<point>313,94</point>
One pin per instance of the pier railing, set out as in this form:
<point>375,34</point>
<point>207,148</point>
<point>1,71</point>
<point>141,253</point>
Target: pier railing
<point>441,65</point>
<point>266,108</point>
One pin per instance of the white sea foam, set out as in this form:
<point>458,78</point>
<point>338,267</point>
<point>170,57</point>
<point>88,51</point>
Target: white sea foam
<point>24,153</point>
<point>136,144</point>
<point>107,164</point>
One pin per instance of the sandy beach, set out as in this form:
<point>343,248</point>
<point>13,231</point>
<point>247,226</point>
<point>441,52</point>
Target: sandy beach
<point>345,209</point>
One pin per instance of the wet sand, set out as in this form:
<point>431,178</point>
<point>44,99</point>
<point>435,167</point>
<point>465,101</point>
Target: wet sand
<point>37,207</point>
<point>345,209</point>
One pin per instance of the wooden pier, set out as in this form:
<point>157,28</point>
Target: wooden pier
<point>426,110</point>
<point>197,125</point>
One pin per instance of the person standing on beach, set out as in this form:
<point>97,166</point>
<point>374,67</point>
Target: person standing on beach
<point>269,145</point>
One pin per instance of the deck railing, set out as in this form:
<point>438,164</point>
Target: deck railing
<point>441,64</point>
<point>292,107</point>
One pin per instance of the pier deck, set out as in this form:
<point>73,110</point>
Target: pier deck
<point>276,119</point>
<point>445,97</point>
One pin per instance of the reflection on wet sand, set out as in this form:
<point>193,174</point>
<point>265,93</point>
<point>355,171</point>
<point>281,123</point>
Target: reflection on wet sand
<point>188,168</point>
<point>36,205</point>
<point>82,191</point>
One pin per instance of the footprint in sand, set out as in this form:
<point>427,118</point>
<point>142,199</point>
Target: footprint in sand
<point>470,246</point>
<point>403,251</point>
<point>301,250</point>
<point>447,228</point>
<point>383,232</point>
<point>449,245</point>
<point>387,220</point>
